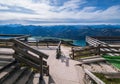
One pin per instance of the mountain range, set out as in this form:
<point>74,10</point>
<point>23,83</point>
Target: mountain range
<point>74,32</point>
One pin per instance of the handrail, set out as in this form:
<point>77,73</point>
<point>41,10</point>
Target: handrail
<point>93,77</point>
<point>26,54</point>
<point>22,54</point>
<point>90,50</point>
<point>104,47</point>
<point>19,43</point>
<point>100,49</point>
<point>94,42</point>
<point>21,37</point>
<point>107,37</point>
<point>8,41</point>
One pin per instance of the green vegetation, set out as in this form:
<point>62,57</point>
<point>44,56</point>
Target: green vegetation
<point>107,81</point>
<point>78,57</point>
<point>114,60</point>
<point>83,54</point>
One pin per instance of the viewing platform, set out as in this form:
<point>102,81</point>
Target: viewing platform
<point>62,70</point>
<point>52,62</point>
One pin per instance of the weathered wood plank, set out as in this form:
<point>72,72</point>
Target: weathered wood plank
<point>19,43</point>
<point>93,60</point>
<point>96,79</point>
<point>29,56</point>
<point>26,61</point>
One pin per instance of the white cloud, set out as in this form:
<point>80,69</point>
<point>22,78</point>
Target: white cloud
<point>88,9</point>
<point>71,5</point>
<point>43,10</point>
<point>3,7</point>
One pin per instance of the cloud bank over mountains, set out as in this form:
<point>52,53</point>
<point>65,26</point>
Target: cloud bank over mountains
<point>59,11</point>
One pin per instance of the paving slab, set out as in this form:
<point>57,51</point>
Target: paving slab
<point>63,70</point>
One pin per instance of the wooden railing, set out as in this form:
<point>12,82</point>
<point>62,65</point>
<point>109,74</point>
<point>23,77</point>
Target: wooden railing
<point>5,43</point>
<point>94,42</point>
<point>31,57</point>
<point>90,78</point>
<point>25,54</point>
<point>58,50</point>
<point>86,51</point>
<point>92,51</point>
<point>43,43</point>
<point>104,47</point>
<point>107,38</point>
<point>5,39</point>
<point>23,38</point>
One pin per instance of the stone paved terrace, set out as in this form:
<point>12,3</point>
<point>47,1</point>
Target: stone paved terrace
<point>63,70</point>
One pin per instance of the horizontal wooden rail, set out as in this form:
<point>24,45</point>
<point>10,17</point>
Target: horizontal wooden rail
<point>7,42</point>
<point>111,38</point>
<point>4,40</point>
<point>22,37</point>
<point>29,56</point>
<point>92,77</point>
<point>21,44</point>
<point>26,61</point>
<point>84,49</point>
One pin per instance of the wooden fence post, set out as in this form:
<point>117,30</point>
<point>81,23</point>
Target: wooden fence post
<point>60,46</point>
<point>72,53</point>
<point>99,49</point>
<point>58,50</point>
<point>47,44</point>
<point>41,68</point>
<point>37,43</point>
<point>15,52</point>
<point>26,39</point>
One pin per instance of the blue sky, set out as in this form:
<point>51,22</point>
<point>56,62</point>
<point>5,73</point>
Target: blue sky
<point>59,11</point>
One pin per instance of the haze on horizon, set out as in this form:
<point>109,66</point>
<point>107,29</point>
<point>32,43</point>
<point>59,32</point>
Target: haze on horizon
<point>60,11</point>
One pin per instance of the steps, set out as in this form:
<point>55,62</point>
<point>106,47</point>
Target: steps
<point>15,74</point>
<point>5,73</point>
<point>97,64</point>
<point>100,67</point>
<point>11,71</point>
<point>5,57</point>
<point>23,77</point>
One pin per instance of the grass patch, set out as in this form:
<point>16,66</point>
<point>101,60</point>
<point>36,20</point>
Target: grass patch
<point>83,54</point>
<point>114,60</point>
<point>107,81</point>
<point>78,57</point>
